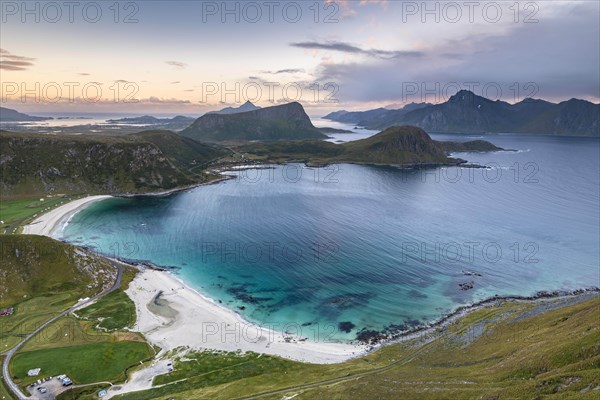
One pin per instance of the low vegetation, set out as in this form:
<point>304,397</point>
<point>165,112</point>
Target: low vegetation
<point>115,311</point>
<point>514,350</point>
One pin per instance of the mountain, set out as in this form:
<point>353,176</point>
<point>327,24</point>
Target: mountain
<point>390,114</point>
<point>10,115</point>
<point>466,112</point>
<point>284,122</point>
<point>353,117</point>
<point>247,106</point>
<point>34,164</point>
<point>407,146</point>
<point>571,117</point>
<point>356,117</point>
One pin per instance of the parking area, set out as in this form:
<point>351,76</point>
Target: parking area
<point>47,388</point>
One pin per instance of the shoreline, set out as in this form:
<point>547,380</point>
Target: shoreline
<point>47,224</point>
<point>201,323</point>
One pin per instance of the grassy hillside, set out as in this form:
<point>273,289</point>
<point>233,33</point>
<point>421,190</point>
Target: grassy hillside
<point>284,122</point>
<point>42,277</point>
<point>399,145</point>
<point>511,351</point>
<point>40,266</point>
<point>185,153</point>
<point>147,161</point>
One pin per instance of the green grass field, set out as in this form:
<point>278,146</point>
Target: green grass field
<point>85,363</point>
<point>19,211</point>
<point>29,315</point>
<point>554,355</point>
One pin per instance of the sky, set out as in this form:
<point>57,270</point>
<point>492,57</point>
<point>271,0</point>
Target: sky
<point>189,57</point>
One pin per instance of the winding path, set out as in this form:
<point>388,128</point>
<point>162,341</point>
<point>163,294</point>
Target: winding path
<point>9,354</point>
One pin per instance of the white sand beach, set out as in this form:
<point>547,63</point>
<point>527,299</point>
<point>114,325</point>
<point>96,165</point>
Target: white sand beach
<point>48,223</point>
<point>185,318</point>
<point>190,319</point>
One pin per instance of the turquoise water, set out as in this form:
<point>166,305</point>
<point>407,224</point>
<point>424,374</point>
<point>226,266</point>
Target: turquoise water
<point>379,248</point>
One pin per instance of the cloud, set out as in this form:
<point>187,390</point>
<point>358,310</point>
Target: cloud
<point>539,58</point>
<point>285,71</point>
<point>352,49</point>
<point>175,82</point>
<point>157,100</point>
<point>346,5</point>
<point>177,64</point>
<point>12,62</point>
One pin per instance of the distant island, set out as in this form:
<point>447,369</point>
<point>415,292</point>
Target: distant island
<point>465,112</point>
<point>10,115</point>
<point>150,120</point>
<point>283,122</point>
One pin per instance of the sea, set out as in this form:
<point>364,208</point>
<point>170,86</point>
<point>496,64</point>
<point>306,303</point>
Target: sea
<point>350,249</point>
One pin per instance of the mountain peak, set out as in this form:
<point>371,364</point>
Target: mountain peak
<point>463,96</point>
<point>247,106</point>
<point>281,122</point>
